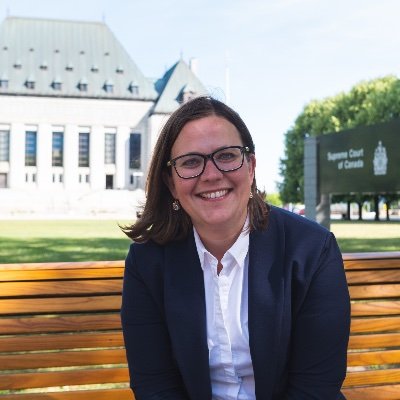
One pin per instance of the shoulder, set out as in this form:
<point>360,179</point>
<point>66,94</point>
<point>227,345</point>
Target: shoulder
<point>297,234</point>
<point>278,217</point>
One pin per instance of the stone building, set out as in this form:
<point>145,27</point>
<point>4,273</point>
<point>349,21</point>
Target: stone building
<point>78,119</point>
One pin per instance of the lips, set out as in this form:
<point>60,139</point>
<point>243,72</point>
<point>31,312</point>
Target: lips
<point>214,195</point>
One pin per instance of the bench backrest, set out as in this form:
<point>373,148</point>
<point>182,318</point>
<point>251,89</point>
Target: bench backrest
<point>60,327</point>
<point>374,346</point>
<point>60,332</point>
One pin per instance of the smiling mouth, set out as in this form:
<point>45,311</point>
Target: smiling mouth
<point>214,195</point>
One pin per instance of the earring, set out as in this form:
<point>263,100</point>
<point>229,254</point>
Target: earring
<point>175,205</point>
<point>251,195</point>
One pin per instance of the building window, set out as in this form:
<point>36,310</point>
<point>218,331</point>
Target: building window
<point>83,86</point>
<point>135,150</point>
<point>109,148</point>
<point>3,83</point>
<point>134,88</point>
<point>84,149</point>
<point>58,149</point>
<point>4,146</point>
<point>56,85</point>
<point>108,87</point>
<point>30,148</point>
<point>3,180</point>
<point>30,84</point>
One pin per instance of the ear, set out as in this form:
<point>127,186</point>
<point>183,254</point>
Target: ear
<point>167,178</point>
<point>252,165</point>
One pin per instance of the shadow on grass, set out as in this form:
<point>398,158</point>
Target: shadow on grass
<point>359,245</point>
<point>59,250</point>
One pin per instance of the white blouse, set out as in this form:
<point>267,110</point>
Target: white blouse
<point>231,368</point>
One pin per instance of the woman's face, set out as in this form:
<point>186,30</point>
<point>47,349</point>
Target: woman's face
<point>214,199</point>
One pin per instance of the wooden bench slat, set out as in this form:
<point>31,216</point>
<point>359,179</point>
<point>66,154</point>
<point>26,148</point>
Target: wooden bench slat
<point>382,324</point>
<point>374,291</point>
<point>373,377</point>
<point>48,288</point>
<point>60,305</point>
<point>62,359</point>
<point>61,341</point>
<point>11,381</point>
<point>366,358</point>
<point>370,308</point>
<point>82,265</point>
<point>372,264</point>
<point>389,392</point>
<point>105,394</point>
<point>374,341</point>
<point>64,323</point>
<point>375,276</point>
<point>61,274</point>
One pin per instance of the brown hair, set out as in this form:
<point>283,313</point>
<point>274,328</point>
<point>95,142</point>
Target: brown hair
<point>159,222</point>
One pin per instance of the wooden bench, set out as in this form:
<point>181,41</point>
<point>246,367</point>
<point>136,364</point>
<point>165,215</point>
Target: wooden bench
<point>60,334</point>
<point>374,347</point>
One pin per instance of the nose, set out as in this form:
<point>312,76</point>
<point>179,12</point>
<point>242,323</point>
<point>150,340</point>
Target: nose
<point>211,171</point>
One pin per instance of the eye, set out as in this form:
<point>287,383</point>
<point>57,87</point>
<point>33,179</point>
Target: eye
<point>227,155</point>
<point>189,162</point>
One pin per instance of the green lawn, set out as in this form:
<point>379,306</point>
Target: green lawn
<point>45,241</point>
<point>89,240</point>
<point>366,236</point>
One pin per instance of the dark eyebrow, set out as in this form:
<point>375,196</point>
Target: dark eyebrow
<point>193,153</point>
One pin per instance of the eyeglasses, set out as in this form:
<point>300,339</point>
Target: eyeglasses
<point>193,165</point>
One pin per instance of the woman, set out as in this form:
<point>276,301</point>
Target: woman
<point>224,297</point>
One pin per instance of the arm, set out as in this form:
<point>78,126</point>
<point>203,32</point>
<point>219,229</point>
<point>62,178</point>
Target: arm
<point>153,372</point>
<point>321,326</point>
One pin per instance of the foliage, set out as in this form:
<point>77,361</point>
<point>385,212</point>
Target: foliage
<point>274,199</point>
<point>367,103</point>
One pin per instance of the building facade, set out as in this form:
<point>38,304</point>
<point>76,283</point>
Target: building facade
<point>77,116</point>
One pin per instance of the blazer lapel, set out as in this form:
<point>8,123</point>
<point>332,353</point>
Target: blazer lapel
<point>266,297</point>
<point>186,316</point>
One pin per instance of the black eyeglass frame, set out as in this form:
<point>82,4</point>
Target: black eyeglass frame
<point>206,157</point>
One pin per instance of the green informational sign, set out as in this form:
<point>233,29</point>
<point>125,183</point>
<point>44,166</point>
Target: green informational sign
<point>361,160</point>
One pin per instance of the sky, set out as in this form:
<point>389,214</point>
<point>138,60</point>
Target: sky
<point>266,58</point>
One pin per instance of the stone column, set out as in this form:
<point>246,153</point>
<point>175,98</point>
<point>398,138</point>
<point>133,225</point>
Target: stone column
<point>122,158</point>
<point>44,156</point>
<point>71,153</point>
<point>317,205</point>
<point>96,157</point>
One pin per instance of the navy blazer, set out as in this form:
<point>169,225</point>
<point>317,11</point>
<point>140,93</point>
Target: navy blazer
<point>299,315</point>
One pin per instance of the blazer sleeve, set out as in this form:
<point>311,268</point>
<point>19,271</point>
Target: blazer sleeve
<point>153,372</point>
<point>320,333</point>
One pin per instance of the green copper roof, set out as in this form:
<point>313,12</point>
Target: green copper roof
<point>41,57</point>
<point>177,82</point>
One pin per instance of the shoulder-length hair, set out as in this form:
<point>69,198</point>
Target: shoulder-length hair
<point>158,221</point>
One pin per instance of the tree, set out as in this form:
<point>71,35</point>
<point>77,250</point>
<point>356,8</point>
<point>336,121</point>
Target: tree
<point>367,103</point>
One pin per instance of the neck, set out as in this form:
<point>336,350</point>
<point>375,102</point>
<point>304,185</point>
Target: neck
<point>219,241</point>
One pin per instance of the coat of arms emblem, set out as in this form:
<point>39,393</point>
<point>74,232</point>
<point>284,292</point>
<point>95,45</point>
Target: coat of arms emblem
<point>380,160</point>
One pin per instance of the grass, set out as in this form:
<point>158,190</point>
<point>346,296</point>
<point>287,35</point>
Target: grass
<point>55,241</point>
<point>367,236</point>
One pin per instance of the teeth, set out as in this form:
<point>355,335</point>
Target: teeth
<point>214,195</point>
